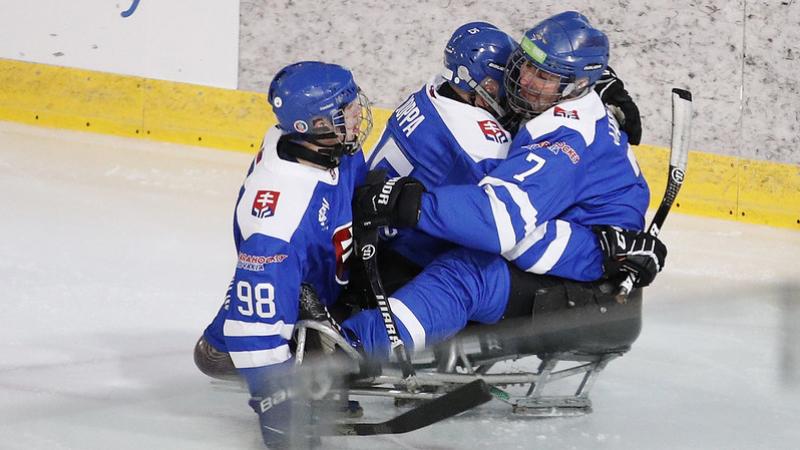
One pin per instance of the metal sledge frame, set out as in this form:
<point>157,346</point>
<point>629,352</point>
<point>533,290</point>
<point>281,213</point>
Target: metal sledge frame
<point>456,367</point>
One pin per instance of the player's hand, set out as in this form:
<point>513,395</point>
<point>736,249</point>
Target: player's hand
<point>393,202</point>
<point>616,98</point>
<point>630,252</point>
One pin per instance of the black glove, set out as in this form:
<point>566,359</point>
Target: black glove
<point>613,94</point>
<point>630,252</point>
<point>394,202</point>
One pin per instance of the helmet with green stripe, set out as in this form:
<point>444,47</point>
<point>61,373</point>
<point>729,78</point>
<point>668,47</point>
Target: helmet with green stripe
<point>558,59</point>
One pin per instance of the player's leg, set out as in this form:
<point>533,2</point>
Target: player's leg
<point>460,286</point>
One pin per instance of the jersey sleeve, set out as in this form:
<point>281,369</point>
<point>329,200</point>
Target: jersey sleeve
<point>514,210</point>
<point>263,307</point>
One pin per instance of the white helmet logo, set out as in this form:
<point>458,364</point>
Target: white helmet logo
<point>300,126</point>
<point>277,102</point>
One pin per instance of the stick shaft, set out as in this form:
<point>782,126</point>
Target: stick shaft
<point>678,157</point>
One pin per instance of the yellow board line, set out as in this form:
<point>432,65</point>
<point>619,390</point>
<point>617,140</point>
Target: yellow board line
<point>720,186</point>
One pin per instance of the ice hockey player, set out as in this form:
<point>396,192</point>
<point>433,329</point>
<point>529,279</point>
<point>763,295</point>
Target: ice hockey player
<point>568,169</point>
<point>452,131</point>
<point>292,227</point>
<point>449,132</point>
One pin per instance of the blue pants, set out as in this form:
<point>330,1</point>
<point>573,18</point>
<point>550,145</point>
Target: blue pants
<point>460,286</point>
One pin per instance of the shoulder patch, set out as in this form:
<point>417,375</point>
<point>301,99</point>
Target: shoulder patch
<point>569,114</point>
<point>580,115</point>
<point>265,203</point>
<point>492,131</point>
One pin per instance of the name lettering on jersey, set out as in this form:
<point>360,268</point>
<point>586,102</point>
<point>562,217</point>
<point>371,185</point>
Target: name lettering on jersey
<point>569,114</point>
<point>556,148</point>
<point>322,216</point>
<point>343,247</point>
<point>256,263</point>
<point>492,131</point>
<point>265,204</point>
<point>408,116</point>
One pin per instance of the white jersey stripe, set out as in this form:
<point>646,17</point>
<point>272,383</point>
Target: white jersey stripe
<point>238,328</point>
<point>410,321</point>
<point>502,220</point>
<point>554,250</point>
<point>527,242</point>
<point>395,157</point>
<point>526,209</point>
<point>261,358</point>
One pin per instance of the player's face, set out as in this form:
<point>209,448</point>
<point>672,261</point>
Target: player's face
<point>537,87</point>
<point>352,120</point>
<point>492,87</point>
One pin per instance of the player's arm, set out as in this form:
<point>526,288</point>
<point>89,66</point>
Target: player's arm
<point>263,308</point>
<point>262,312</point>
<point>511,212</point>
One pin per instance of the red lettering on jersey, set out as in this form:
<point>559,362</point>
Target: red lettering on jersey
<point>265,204</point>
<point>492,131</point>
<point>343,246</point>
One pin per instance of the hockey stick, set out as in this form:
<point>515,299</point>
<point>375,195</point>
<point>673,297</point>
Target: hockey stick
<point>367,240</point>
<point>455,402</point>
<point>678,155</point>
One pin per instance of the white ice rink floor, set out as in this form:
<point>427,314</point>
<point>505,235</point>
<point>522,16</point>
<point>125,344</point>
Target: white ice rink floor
<point>115,253</point>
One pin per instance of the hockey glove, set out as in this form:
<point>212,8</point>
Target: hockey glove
<point>394,202</point>
<point>630,252</point>
<point>619,102</point>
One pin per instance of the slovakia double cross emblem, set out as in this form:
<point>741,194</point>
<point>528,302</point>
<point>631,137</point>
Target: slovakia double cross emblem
<point>492,131</point>
<point>265,204</point>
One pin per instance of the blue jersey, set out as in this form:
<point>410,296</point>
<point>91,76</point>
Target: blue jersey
<point>439,141</point>
<point>567,169</point>
<point>292,225</point>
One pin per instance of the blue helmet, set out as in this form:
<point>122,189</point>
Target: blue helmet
<point>309,99</point>
<point>478,51</point>
<point>565,49</point>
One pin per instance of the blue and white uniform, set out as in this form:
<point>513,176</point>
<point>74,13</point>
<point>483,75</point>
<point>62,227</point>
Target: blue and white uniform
<point>569,168</point>
<point>569,165</point>
<point>439,141</point>
<point>292,225</point>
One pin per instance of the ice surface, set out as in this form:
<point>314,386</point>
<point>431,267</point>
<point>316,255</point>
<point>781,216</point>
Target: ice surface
<point>114,254</point>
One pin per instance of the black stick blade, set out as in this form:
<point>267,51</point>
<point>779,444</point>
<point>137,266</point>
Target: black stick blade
<point>451,404</point>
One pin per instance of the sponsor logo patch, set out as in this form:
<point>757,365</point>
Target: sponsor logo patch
<point>265,204</point>
<point>255,263</point>
<point>556,148</point>
<point>322,215</point>
<point>492,131</point>
<point>561,112</point>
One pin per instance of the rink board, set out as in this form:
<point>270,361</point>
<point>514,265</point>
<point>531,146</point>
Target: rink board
<point>720,186</point>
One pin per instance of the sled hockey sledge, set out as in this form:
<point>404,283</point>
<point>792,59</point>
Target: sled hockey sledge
<point>573,345</point>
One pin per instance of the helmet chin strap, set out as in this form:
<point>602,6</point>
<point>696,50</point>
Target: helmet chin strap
<point>326,155</point>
